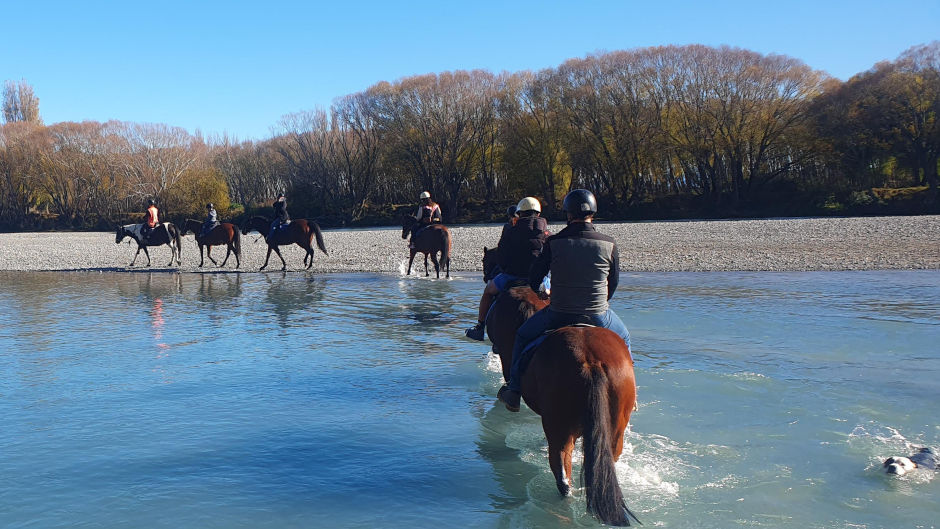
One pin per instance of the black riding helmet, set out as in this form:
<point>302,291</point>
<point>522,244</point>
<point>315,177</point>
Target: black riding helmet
<point>209,205</point>
<point>580,203</point>
<point>150,202</point>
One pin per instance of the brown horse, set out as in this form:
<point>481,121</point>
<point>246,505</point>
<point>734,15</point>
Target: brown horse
<point>164,233</point>
<point>429,241</point>
<point>581,382</point>
<point>300,232</point>
<point>224,233</point>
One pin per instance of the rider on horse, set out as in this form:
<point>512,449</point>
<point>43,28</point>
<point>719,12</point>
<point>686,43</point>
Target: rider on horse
<point>429,212</point>
<point>519,245</point>
<point>281,218</point>
<point>585,271</point>
<point>212,220</point>
<point>153,219</point>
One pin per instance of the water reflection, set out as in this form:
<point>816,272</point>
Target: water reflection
<point>427,301</point>
<point>293,298</point>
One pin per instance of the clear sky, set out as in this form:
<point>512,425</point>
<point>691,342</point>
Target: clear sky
<point>236,67</point>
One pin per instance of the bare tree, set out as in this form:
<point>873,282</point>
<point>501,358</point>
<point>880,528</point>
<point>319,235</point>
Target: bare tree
<point>20,102</point>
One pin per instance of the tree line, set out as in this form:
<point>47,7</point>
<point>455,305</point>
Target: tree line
<point>661,132</point>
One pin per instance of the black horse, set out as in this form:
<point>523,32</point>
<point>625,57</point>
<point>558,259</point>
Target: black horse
<point>165,233</point>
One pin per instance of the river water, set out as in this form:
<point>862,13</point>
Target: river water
<point>154,400</point>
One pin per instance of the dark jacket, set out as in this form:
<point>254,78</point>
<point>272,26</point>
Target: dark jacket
<point>520,243</point>
<point>280,212</point>
<point>585,268</point>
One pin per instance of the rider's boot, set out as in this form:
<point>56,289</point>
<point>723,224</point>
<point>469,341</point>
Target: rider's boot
<point>475,332</point>
<point>509,397</point>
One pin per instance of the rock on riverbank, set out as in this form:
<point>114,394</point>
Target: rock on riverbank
<point>858,243</point>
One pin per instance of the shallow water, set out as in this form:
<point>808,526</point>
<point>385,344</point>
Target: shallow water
<point>292,400</point>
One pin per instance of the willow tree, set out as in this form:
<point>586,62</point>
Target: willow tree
<point>535,135</point>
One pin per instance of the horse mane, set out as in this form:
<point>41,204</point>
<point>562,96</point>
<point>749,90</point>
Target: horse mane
<point>529,301</point>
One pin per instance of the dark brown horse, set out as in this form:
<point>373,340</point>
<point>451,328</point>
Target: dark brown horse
<point>581,382</point>
<point>429,241</point>
<point>165,233</point>
<point>225,233</point>
<point>300,232</point>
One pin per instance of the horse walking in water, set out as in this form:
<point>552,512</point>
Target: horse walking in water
<point>300,232</point>
<point>225,233</point>
<point>581,382</point>
<point>429,241</point>
<point>165,233</point>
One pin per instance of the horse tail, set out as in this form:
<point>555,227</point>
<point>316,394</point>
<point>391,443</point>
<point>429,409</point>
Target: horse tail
<point>315,229</point>
<point>599,475</point>
<point>445,249</point>
<point>238,242</point>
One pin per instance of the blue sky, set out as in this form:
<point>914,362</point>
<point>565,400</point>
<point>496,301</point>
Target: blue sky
<point>237,67</point>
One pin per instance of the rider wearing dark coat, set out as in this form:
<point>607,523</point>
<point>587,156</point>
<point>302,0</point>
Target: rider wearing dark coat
<point>281,218</point>
<point>585,268</point>
<point>519,245</point>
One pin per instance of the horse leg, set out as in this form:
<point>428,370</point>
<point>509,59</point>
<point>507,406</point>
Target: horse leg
<point>410,261</point>
<point>560,447</point>
<point>228,252</point>
<point>426,273</point>
<point>266,258</point>
<point>172,253</point>
<point>437,266</point>
<point>201,259</point>
<point>209,254</point>
<point>283,262</point>
<point>147,254</point>
<point>134,260</point>
<point>309,255</point>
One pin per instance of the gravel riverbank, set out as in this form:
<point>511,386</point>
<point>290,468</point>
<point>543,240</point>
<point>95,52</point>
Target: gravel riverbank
<point>859,243</point>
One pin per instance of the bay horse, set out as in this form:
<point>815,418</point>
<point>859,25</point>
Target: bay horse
<point>165,233</point>
<point>429,241</point>
<point>224,233</point>
<point>300,232</point>
<point>580,380</point>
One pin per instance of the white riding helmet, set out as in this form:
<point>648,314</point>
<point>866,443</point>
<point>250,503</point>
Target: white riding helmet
<point>529,204</point>
<point>425,194</point>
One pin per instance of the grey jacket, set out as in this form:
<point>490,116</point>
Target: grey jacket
<point>585,268</point>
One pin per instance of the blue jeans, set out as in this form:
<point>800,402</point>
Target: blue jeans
<point>547,319</point>
<point>502,280</point>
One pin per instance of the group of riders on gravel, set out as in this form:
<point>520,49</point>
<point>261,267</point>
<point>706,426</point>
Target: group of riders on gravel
<point>583,265</point>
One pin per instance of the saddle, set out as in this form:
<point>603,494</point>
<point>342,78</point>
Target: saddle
<point>544,336</point>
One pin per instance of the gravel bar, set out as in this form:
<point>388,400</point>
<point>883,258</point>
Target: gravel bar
<point>788,244</point>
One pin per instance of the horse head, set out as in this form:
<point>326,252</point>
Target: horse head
<point>119,234</point>
<point>407,221</point>
<point>246,226</point>
<point>490,262</point>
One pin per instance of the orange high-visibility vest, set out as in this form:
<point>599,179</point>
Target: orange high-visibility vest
<point>152,219</point>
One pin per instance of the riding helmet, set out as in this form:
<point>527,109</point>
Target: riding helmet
<point>209,205</point>
<point>529,204</point>
<point>424,195</point>
<point>580,203</point>
<point>150,202</point>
